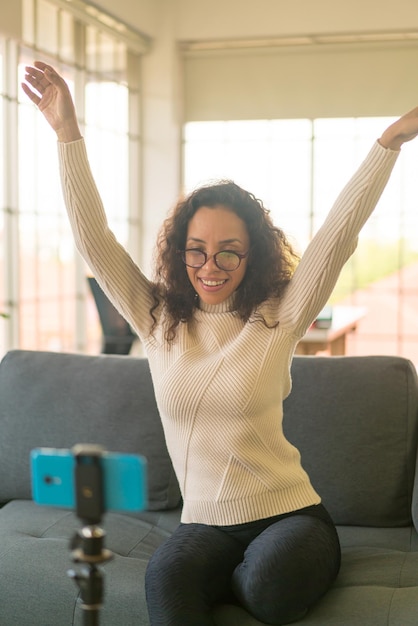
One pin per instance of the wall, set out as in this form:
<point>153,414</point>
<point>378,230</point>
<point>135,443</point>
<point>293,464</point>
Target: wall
<point>307,81</point>
<point>162,122</point>
<point>218,19</point>
<point>315,78</point>
<point>10,19</point>
<point>142,15</point>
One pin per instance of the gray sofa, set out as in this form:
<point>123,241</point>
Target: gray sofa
<point>354,419</point>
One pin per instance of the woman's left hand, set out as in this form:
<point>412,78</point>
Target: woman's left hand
<point>403,130</point>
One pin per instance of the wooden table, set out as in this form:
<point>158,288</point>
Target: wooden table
<point>333,339</point>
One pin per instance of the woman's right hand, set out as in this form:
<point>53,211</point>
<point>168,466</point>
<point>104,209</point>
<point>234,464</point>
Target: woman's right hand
<point>50,93</point>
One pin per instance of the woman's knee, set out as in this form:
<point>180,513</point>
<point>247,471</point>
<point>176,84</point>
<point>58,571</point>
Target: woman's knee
<point>177,558</point>
<point>191,569</point>
<point>287,568</point>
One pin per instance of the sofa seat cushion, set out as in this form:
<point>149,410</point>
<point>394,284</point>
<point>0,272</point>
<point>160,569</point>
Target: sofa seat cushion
<point>378,582</point>
<point>35,556</point>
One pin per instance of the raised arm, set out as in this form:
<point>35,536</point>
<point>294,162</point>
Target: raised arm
<point>120,278</point>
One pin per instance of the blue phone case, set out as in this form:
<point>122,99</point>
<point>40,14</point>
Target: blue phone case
<point>124,479</point>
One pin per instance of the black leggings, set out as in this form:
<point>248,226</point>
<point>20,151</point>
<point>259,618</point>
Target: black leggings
<point>275,568</point>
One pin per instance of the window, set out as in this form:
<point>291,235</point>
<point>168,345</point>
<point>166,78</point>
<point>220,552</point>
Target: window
<point>297,167</point>
<point>44,280</point>
<point>3,200</point>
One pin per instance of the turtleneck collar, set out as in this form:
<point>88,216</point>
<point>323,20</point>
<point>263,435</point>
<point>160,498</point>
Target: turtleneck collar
<point>225,306</point>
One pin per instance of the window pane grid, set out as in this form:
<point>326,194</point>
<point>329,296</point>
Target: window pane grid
<point>50,286</point>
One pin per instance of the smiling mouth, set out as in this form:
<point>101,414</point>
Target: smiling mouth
<point>212,283</point>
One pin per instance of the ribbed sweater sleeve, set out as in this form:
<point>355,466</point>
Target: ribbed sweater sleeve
<point>334,243</point>
<point>120,278</point>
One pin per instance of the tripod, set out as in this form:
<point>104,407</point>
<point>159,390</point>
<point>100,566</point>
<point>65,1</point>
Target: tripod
<point>87,545</point>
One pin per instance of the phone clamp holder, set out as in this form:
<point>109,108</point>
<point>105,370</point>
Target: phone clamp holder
<point>87,545</point>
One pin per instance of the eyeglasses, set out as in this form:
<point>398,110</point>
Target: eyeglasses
<point>227,260</point>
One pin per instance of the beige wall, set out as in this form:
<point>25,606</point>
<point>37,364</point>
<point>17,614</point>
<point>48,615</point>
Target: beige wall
<point>209,19</point>
<point>162,123</point>
<point>10,19</point>
<point>142,15</point>
<point>309,81</point>
<point>218,19</point>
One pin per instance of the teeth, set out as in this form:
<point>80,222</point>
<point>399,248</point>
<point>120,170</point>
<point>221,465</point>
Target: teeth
<point>212,283</point>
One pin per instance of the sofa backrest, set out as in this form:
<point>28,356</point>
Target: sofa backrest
<point>50,399</point>
<point>355,422</point>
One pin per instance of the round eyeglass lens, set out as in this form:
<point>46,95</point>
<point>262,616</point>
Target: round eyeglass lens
<point>227,260</point>
<point>194,258</point>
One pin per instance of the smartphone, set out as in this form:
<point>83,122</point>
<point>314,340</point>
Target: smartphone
<point>124,479</point>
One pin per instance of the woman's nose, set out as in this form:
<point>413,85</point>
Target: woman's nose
<point>210,261</point>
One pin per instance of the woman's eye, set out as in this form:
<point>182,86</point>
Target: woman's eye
<point>227,254</point>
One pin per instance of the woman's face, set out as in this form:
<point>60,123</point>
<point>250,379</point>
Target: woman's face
<point>211,230</point>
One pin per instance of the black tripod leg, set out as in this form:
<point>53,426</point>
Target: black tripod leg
<point>90,582</point>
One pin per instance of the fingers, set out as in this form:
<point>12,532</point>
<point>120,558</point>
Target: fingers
<point>36,78</point>
<point>41,65</point>
<point>48,71</point>
<point>31,95</point>
<point>41,75</point>
<point>43,68</point>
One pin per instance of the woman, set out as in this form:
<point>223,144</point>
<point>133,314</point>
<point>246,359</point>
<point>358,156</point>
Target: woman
<point>220,323</point>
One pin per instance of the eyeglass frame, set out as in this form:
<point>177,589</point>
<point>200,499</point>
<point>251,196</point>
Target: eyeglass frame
<point>207,256</point>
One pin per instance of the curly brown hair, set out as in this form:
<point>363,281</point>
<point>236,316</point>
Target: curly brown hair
<point>271,261</point>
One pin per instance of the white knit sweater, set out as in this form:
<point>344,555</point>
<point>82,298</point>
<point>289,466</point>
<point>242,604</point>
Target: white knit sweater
<point>220,387</point>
